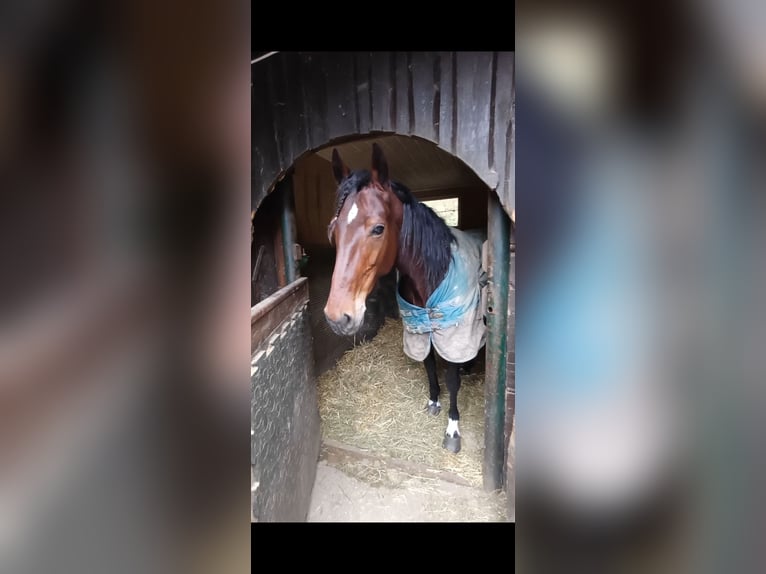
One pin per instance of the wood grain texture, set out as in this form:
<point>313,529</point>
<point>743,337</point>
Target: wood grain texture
<point>313,82</point>
<point>383,96</point>
<point>423,95</point>
<point>269,313</point>
<point>363,89</point>
<point>340,116</point>
<point>474,82</point>
<point>462,101</point>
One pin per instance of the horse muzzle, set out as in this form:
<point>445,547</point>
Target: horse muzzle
<point>344,324</point>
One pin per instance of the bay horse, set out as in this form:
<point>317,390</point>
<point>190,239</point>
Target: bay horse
<point>378,224</point>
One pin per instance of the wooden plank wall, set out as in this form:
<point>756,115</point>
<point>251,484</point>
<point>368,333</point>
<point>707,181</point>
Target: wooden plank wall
<point>314,187</point>
<point>463,102</point>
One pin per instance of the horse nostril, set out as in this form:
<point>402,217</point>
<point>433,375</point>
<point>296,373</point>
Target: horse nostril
<point>346,318</point>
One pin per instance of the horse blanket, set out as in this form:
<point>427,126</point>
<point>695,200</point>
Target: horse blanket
<point>453,319</point>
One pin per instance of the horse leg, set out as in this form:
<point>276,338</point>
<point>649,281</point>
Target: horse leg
<point>452,436</point>
<point>434,407</point>
<point>467,367</point>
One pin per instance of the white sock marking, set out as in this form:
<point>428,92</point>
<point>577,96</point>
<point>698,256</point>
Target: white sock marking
<point>452,429</point>
<point>352,212</point>
<point>431,403</point>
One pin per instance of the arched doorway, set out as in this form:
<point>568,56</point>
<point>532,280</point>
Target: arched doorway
<point>299,209</point>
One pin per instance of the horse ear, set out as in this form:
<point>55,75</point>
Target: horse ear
<point>379,165</point>
<point>339,169</point>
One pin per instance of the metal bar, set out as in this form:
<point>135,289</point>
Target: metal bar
<point>509,465</point>
<point>257,268</point>
<point>279,252</point>
<point>258,259</point>
<point>498,234</point>
<point>510,381</point>
<point>511,355</point>
<point>288,228</point>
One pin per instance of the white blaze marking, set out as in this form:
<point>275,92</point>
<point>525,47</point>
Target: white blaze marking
<point>352,213</point>
<point>452,429</point>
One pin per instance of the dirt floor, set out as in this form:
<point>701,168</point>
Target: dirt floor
<point>343,492</point>
<point>382,459</point>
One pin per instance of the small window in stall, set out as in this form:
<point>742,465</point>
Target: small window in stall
<point>447,209</point>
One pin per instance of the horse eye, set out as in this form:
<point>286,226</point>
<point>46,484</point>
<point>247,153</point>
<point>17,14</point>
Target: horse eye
<point>377,230</point>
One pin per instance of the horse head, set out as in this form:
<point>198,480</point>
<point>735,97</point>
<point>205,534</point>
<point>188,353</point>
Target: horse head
<point>365,232</point>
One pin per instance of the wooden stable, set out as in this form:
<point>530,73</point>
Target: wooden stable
<point>463,104</point>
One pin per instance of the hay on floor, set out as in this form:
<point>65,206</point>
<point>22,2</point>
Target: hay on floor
<point>375,398</point>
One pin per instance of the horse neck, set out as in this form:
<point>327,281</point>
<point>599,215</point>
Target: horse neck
<point>413,283</point>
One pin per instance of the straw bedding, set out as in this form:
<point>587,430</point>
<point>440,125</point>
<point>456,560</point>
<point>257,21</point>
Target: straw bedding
<point>375,398</point>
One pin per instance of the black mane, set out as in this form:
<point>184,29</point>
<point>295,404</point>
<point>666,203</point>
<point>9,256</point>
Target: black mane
<point>425,239</point>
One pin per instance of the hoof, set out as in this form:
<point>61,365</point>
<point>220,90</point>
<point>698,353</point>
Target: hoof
<point>433,409</point>
<point>451,443</point>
